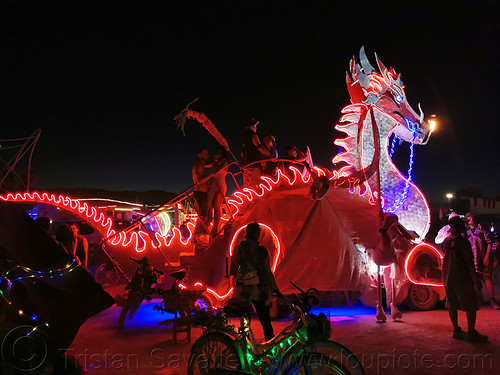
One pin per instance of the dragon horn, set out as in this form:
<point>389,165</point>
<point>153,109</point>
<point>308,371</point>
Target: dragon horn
<point>381,66</point>
<point>348,79</point>
<point>364,80</point>
<point>399,81</point>
<point>421,119</point>
<point>352,67</point>
<point>367,68</point>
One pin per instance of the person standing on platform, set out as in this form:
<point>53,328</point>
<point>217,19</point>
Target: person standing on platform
<point>201,188</point>
<point>217,188</point>
<point>252,151</point>
<point>269,167</point>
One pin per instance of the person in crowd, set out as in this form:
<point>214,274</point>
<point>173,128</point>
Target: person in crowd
<point>459,277</point>
<point>82,246</point>
<point>252,151</point>
<point>253,278</point>
<point>295,156</point>
<point>66,239</point>
<point>269,167</point>
<point>481,249</point>
<point>217,188</point>
<point>486,268</point>
<point>443,232</point>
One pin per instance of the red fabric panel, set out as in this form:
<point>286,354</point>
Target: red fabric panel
<point>318,237</point>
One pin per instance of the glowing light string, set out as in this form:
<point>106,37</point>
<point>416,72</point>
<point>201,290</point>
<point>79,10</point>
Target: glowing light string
<point>393,145</point>
<point>44,274</point>
<point>400,199</point>
<point>31,273</point>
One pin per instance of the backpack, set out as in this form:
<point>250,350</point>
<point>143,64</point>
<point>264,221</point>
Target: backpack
<point>247,274</point>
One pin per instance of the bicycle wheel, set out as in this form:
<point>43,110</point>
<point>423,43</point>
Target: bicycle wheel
<point>107,275</point>
<point>339,353</point>
<point>213,350</point>
<point>315,363</point>
<point>331,350</point>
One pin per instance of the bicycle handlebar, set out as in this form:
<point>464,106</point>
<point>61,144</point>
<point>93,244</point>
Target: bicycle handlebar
<point>304,298</point>
<point>144,262</point>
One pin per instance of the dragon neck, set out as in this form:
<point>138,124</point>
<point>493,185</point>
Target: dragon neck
<point>359,148</point>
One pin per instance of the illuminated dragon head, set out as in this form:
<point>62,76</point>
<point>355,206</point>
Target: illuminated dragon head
<point>385,90</point>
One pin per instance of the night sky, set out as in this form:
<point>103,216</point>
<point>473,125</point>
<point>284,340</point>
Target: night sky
<point>104,79</point>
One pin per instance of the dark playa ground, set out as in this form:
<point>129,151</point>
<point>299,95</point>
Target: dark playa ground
<point>420,344</point>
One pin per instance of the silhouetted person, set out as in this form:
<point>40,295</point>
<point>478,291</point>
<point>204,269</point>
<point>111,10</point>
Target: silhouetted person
<point>201,186</point>
<point>217,187</point>
<point>82,246</point>
<point>253,278</point>
<point>459,277</point>
<point>270,166</point>
<point>485,267</point>
<point>66,239</point>
<point>252,151</point>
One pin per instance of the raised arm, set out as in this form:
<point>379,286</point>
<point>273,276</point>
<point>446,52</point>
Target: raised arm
<point>260,146</point>
<point>301,157</point>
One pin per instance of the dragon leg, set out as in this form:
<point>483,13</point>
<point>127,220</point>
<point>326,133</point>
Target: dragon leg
<point>381,318</point>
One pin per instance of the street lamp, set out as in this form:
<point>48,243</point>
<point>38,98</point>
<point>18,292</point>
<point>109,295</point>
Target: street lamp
<point>449,196</point>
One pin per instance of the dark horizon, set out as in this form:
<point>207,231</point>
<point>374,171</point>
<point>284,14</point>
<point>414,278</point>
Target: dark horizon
<point>103,80</point>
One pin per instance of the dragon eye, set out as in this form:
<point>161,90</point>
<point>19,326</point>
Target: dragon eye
<point>399,98</point>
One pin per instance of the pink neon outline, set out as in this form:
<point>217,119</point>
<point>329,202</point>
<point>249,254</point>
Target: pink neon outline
<point>275,238</point>
<point>218,296</point>
<point>138,239</point>
<point>240,198</point>
<point>411,255</point>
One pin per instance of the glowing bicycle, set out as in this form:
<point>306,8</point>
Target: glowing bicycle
<point>302,347</point>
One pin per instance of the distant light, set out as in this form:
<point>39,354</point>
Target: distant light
<point>449,195</point>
